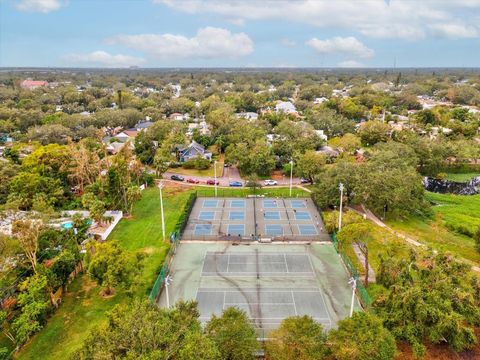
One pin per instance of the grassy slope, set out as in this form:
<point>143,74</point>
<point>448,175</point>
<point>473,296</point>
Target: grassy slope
<point>452,211</point>
<point>83,307</point>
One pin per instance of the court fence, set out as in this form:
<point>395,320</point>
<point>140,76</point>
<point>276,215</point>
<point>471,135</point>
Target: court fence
<point>362,292</point>
<point>187,210</point>
<point>164,270</point>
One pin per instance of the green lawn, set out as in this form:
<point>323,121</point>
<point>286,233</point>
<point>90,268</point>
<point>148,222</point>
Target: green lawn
<point>462,177</point>
<point>83,307</point>
<point>454,216</point>
<point>201,173</point>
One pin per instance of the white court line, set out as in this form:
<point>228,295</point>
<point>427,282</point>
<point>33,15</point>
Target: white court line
<point>294,305</point>
<point>224,298</point>
<point>228,262</point>
<point>286,264</point>
<point>215,290</point>
<point>260,303</point>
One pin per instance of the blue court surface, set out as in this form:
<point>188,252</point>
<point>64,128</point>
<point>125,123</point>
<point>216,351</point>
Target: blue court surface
<point>270,203</point>
<point>237,215</point>
<point>203,229</point>
<point>237,203</point>
<point>307,230</point>
<point>254,219</point>
<point>302,215</point>
<point>207,215</point>
<point>210,203</point>
<point>273,230</point>
<point>298,204</point>
<point>271,215</point>
<point>236,229</point>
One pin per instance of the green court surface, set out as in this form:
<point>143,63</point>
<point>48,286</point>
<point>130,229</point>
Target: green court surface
<point>269,281</point>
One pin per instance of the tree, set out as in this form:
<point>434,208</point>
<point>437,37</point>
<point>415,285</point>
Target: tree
<point>362,337</point>
<point>372,132</point>
<point>85,164</point>
<point>34,305</point>
<point>432,297</point>
<point>95,206</point>
<point>298,337</point>
<point>233,334</point>
<point>311,164</point>
<point>360,234</point>
<point>331,122</point>
<point>111,266</point>
<point>27,232</point>
<point>348,143</point>
<point>145,331</point>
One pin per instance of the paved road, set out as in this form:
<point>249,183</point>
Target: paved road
<point>230,173</point>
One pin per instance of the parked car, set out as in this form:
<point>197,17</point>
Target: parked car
<point>212,182</point>
<point>177,178</point>
<point>192,181</point>
<point>235,184</point>
<point>270,182</point>
<point>304,181</point>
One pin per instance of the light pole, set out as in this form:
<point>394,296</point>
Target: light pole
<point>341,187</point>
<point>168,281</point>
<point>215,175</point>
<point>160,187</point>
<point>353,283</point>
<point>291,176</point>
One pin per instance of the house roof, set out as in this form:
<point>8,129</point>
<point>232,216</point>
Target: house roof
<point>131,132</point>
<point>144,125</point>
<point>33,83</point>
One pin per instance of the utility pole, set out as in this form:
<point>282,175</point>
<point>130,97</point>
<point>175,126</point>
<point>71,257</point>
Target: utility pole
<point>341,187</point>
<point>291,176</point>
<point>215,175</point>
<point>353,283</point>
<point>160,187</point>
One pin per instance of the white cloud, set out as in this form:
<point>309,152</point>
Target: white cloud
<point>405,19</point>
<point>43,6</point>
<point>350,64</point>
<point>341,45</point>
<point>102,58</point>
<point>209,42</point>
<point>455,31</point>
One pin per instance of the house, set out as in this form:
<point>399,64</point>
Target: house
<point>247,115</point>
<point>286,107</point>
<point>30,84</point>
<point>320,100</point>
<point>143,125</point>
<point>123,137</point>
<point>328,151</point>
<point>192,151</point>
<point>202,128</point>
<point>132,133</point>
<point>179,117</point>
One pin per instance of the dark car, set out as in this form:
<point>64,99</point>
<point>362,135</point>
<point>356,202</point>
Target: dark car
<point>212,182</point>
<point>304,181</point>
<point>177,178</point>
<point>235,184</point>
<point>192,181</point>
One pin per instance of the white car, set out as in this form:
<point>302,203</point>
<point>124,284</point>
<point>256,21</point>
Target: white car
<point>270,182</point>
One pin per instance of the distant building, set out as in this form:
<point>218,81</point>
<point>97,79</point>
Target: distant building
<point>320,100</point>
<point>33,84</point>
<point>143,125</point>
<point>247,115</point>
<point>286,107</point>
<point>179,117</point>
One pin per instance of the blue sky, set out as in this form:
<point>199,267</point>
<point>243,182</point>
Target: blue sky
<point>234,33</point>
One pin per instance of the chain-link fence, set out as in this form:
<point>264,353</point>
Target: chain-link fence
<point>362,292</point>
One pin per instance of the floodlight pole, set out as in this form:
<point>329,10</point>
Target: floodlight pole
<point>168,281</point>
<point>215,175</point>
<point>160,187</point>
<point>352,282</point>
<point>291,176</point>
<point>341,187</point>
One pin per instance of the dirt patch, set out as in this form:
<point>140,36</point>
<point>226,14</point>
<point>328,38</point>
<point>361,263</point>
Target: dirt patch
<point>88,284</point>
<point>173,188</point>
<point>149,250</point>
<point>277,175</point>
<point>439,352</point>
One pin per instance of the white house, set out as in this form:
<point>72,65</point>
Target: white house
<point>286,107</point>
<point>247,115</point>
<point>320,100</point>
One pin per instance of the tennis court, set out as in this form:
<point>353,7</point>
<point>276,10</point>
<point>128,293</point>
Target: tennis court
<point>252,219</point>
<point>268,281</point>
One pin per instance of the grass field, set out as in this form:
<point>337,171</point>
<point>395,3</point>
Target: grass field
<point>462,177</point>
<point>201,173</point>
<point>83,307</point>
<point>454,216</point>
